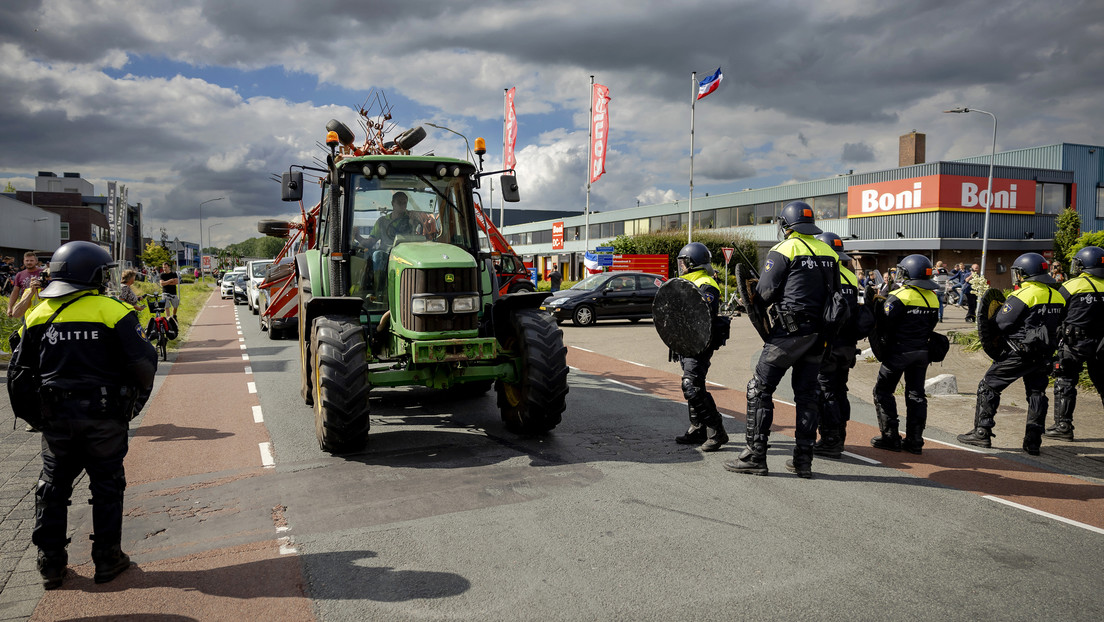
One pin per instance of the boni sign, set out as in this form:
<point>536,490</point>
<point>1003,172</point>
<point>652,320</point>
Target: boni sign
<point>557,235</point>
<point>950,193</point>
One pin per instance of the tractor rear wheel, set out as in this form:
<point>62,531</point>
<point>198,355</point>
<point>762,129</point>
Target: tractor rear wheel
<point>340,368</point>
<point>536,402</point>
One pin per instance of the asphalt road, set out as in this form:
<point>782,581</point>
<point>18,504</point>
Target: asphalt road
<point>447,516</point>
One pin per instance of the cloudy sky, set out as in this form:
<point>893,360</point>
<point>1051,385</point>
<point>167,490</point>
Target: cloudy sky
<point>188,100</point>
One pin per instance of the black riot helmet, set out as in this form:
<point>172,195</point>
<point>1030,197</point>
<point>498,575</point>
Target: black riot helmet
<point>797,216</point>
<point>1089,259</point>
<point>694,256</point>
<point>1031,267</point>
<point>916,270</point>
<point>836,242</point>
<point>78,266</point>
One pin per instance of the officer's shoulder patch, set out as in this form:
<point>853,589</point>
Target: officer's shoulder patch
<point>1006,308</point>
<point>138,329</point>
<point>888,307</point>
<point>770,264</point>
<point>709,297</point>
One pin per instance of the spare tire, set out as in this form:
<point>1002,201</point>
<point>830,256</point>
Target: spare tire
<point>410,137</point>
<point>344,134</point>
<point>274,227</point>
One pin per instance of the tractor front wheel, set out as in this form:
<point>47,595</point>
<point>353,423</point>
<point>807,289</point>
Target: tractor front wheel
<point>340,370</point>
<point>536,402</point>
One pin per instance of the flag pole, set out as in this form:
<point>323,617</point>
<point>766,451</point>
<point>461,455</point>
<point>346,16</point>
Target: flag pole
<point>590,163</point>
<point>693,101</point>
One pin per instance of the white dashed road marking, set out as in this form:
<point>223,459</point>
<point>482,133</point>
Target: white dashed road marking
<point>1061,519</point>
<point>257,416</point>
<point>266,455</point>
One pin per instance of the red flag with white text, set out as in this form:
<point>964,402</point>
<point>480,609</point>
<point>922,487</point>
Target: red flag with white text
<point>510,130</point>
<point>599,131</point>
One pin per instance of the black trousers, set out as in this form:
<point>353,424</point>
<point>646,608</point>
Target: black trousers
<point>801,354</point>
<point>70,445</point>
<point>1071,359</point>
<point>703,410</point>
<point>914,367</point>
<point>835,407</point>
<point>1035,372</point>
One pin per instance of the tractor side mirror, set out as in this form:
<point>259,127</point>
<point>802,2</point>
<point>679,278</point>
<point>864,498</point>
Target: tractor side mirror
<point>510,192</point>
<point>291,186</point>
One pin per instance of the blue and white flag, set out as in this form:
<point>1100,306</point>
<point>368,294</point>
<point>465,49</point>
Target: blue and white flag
<point>710,84</point>
<point>590,260</point>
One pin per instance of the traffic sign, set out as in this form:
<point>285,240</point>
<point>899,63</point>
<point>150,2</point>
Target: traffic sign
<point>603,249</point>
<point>605,260</point>
<point>728,254</point>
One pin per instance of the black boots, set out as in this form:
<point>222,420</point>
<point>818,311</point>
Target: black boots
<point>831,443</point>
<point>715,434</point>
<point>978,437</point>
<point>110,561</point>
<point>802,462</point>
<point>1033,439</point>
<point>1060,429</point>
<point>752,461</point>
<point>694,436</point>
<point>890,438</point>
<point>52,567</point>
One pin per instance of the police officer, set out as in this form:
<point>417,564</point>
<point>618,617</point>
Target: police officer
<point>96,371</point>
<point>1081,335</point>
<point>1029,322</point>
<point>835,408</point>
<point>798,281</point>
<point>706,426</point>
<point>911,314</point>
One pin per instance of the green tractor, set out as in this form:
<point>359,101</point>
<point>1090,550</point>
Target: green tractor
<point>394,290</point>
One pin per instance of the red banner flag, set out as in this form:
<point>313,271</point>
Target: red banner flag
<point>599,131</point>
<point>510,130</point>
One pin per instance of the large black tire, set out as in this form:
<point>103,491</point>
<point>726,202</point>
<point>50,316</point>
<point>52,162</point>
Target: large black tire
<point>340,370</point>
<point>344,134</point>
<point>410,138</point>
<point>306,388</point>
<point>536,403</point>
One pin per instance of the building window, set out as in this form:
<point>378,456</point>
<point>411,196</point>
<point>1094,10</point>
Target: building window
<point>826,207</point>
<point>1100,202</point>
<point>1050,198</point>
<point>705,219</point>
<point>64,231</point>
<point>745,215</point>
<point>765,213</point>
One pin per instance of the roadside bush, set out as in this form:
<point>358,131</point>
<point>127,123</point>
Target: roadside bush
<point>670,243</point>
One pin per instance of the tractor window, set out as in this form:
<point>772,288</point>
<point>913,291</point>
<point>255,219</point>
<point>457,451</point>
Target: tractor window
<point>410,208</point>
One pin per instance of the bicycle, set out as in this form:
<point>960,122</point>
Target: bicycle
<point>160,330</point>
<point>732,306</point>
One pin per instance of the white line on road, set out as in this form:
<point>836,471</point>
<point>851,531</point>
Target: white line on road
<point>249,370</point>
<point>243,347</point>
<point>630,362</point>
<point>953,446</point>
<point>583,349</point>
<point>623,384</point>
<point>257,416</point>
<point>241,338</point>
<point>266,455</point>
<point>716,384</point>
<point>287,546</point>
<point>1061,519</point>
<point>252,386</point>
<point>784,402</point>
<point>245,357</point>
<point>861,458</point>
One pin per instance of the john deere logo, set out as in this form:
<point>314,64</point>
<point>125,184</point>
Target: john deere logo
<point>449,278</point>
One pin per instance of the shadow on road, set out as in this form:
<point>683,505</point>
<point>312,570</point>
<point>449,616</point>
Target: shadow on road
<point>169,432</point>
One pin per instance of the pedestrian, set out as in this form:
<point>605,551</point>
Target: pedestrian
<point>1080,337</point>
<point>706,425</point>
<point>30,277</point>
<point>1057,272</point>
<point>1028,322</point>
<point>126,294</point>
<point>835,407</point>
<point>798,281</point>
<point>910,315</point>
<point>555,278</point>
<point>968,298</point>
<point>940,276</point>
<point>169,282</point>
<point>80,372</point>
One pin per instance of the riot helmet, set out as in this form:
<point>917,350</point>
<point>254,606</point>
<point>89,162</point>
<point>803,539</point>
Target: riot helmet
<point>694,256</point>
<point>1032,267</point>
<point>834,240</point>
<point>1089,259</point>
<point>797,216</point>
<point>916,270</point>
<point>78,266</point>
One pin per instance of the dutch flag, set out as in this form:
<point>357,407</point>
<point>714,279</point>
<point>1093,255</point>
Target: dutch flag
<point>710,84</point>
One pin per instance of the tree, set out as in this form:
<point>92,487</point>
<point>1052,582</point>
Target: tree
<point>1067,230</point>
<point>9,187</point>
<point>671,242</point>
<point>154,255</point>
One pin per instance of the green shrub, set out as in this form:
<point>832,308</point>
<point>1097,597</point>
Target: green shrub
<point>671,242</point>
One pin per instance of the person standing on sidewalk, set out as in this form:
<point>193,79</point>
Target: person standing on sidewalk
<point>1029,323</point>
<point>911,314</point>
<point>555,278</point>
<point>79,372</point>
<point>798,282</point>
<point>169,282</point>
<point>1081,335</point>
<point>695,264</point>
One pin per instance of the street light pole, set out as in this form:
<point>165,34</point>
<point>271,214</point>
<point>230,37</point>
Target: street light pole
<point>989,192</point>
<point>209,243</point>
<point>201,233</point>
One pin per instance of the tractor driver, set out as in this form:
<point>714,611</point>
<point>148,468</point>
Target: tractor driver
<point>388,227</point>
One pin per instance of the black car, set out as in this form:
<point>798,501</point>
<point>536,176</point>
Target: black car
<point>241,294</point>
<point>606,296</point>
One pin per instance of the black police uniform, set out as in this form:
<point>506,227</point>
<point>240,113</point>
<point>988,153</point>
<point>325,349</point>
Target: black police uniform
<point>1029,320</point>
<point>1080,344</point>
<point>911,314</point>
<point>798,279</point>
<point>706,423</point>
<point>835,407</point>
<point>97,371</point>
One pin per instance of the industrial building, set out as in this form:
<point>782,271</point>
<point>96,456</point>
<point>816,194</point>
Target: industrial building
<point>934,208</point>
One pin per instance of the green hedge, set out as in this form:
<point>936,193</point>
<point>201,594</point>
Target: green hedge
<point>670,243</point>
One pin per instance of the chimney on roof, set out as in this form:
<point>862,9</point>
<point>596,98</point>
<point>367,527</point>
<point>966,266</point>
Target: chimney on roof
<point>912,149</point>
<point>71,175</point>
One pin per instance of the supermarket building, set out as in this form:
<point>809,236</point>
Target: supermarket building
<point>933,208</point>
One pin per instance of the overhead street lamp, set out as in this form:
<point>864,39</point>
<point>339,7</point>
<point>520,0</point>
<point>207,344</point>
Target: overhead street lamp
<point>989,201</point>
<point>201,232</point>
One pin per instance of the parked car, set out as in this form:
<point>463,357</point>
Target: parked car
<point>606,296</point>
<point>256,271</point>
<point>241,288</point>
<point>226,284</point>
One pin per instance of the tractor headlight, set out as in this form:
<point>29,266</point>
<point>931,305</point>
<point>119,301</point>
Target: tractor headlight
<point>464,304</point>
<point>428,305</point>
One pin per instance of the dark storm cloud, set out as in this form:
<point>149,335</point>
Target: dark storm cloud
<point>857,153</point>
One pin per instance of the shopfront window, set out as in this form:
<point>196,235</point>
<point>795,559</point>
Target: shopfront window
<point>1050,198</point>
<point>1100,202</point>
<point>826,207</point>
<point>705,219</point>
<point>765,213</point>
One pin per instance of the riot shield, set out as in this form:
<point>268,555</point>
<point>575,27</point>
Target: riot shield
<point>991,337</point>
<point>756,312</point>
<point>682,318</point>
<point>880,329</point>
